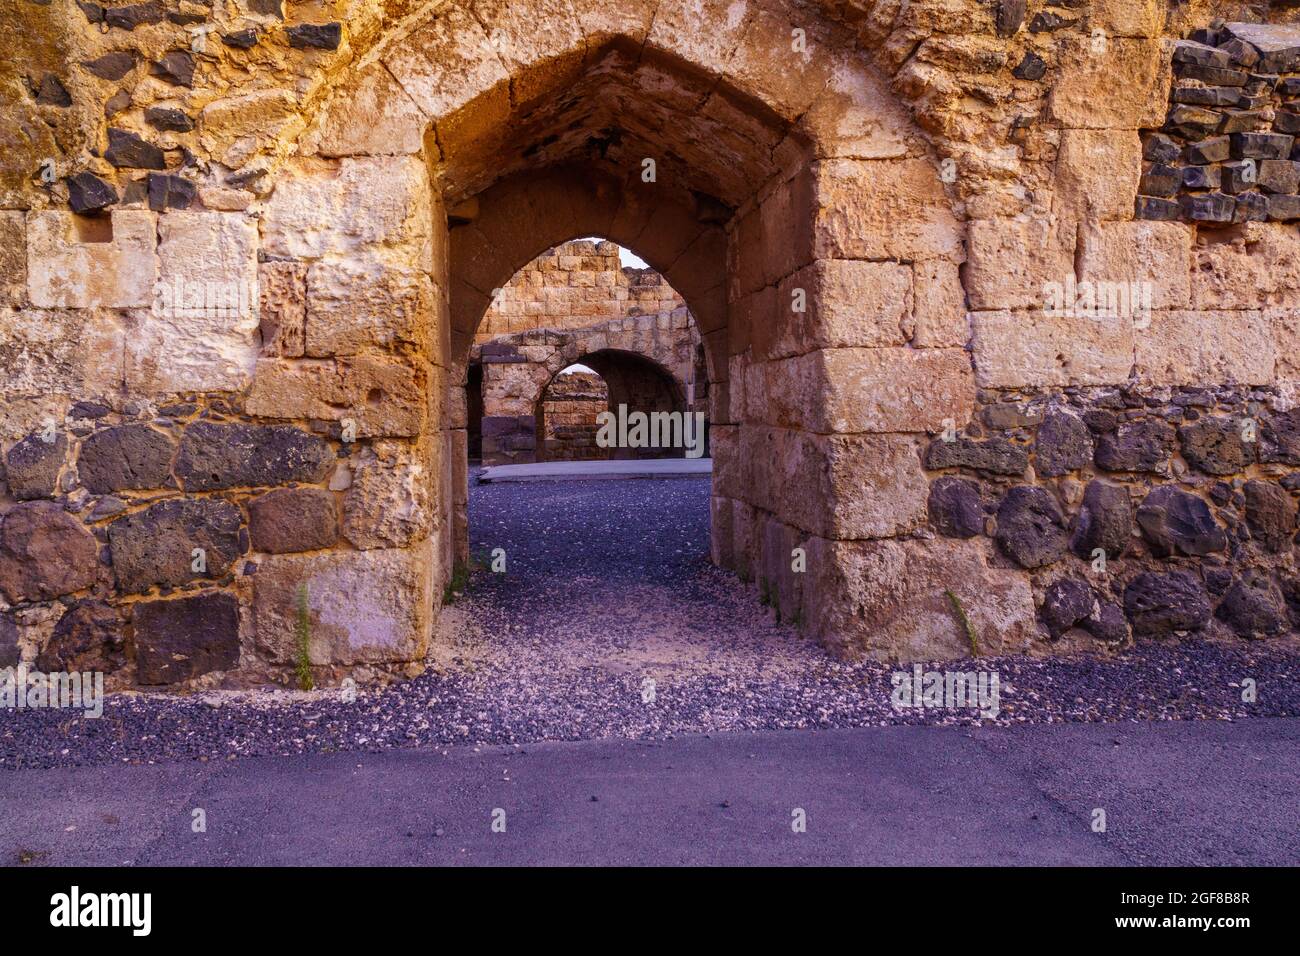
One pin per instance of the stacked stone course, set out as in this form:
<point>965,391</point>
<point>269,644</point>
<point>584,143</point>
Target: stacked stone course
<point>1227,152</point>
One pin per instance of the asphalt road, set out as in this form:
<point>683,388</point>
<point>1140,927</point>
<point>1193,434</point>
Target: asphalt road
<point>1202,792</point>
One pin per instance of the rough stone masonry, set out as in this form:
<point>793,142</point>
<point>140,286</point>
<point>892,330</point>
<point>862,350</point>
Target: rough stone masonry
<point>999,303</point>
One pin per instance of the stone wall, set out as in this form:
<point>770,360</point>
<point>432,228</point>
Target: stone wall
<point>246,251</point>
<point>568,423</point>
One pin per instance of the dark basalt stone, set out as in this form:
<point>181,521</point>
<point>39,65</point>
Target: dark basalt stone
<point>126,149</point>
<point>1138,446</point>
<point>1011,14</point>
<point>954,506</point>
<point>87,193</point>
<point>1175,522</point>
<point>241,39</point>
<point>155,547</point>
<point>52,92</point>
<point>1279,436</point>
<point>293,519</point>
<point>1031,530</point>
<point>1253,610</point>
<point>1108,623</point>
<point>33,464</point>
<point>1065,604</point>
<point>112,66</point>
<point>165,118</point>
<point>170,192</point>
<point>1031,67</point>
<point>214,456</point>
<point>89,637</point>
<point>1270,515</point>
<point>44,553</point>
<point>1216,446</point>
<point>127,457</point>
<point>1063,444</point>
<point>321,36</point>
<point>176,67</point>
<point>1158,604</point>
<point>1105,521</point>
<point>133,15</point>
<point>997,455</point>
<point>180,639</point>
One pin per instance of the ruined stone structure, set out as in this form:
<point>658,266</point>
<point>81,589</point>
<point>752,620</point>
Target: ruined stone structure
<point>892,223</point>
<point>576,304</point>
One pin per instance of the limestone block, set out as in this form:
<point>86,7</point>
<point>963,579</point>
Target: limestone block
<point>744,550</point>
<point>372,116</point>
<point>888,600</point>
<point>13,258</point>
<point>201,332</point>
<point>704,33</point>
<point>1128,18</point>
<point>1020,349</point>
<point>1247,269</point>
<point>390,503</point>
<point>282,298</point>
<point>383,397</point>
<point>857,116</point>
<point>1158,253</point>
<point>1011,260</point>
<point>849,391</point>
<point>721,532</point>
<point>1117,85</point>
<point>1285,326</point>
<point>236,125</point>
<point>883,209</point>
<point>844,303</point>
<point>938,306</point>
<point>59,352</point>
<point>1096,174</point>
<point>838,486</point>
<point>76,263</point>
<point>1205,348</point>
<point>445,63</point>
<point>768,65</point>
<point>364,606</point>
<point>354,305</point>
<point>324,206</point>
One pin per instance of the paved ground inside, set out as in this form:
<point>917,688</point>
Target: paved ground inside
<point>1205,792</point>
<point>586,470</point>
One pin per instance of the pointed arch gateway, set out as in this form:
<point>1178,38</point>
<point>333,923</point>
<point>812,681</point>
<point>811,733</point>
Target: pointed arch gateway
<point>748,153</point>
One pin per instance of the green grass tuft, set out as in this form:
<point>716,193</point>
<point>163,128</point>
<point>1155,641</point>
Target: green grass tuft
<point>305,681</point>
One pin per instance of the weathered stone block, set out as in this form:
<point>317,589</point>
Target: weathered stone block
<point>353,305</point>
<point>1012,260</point>
<point>126,457</point>
<point>1030,527</point>
<point>1157,253</point>
<point>215,456</point>
<point>1018,349</point>
<point>390,502</point>
<point>1105,521</point>
<point>32,465</point>
<point>1193,348</point>
<point>293,519</point>
<point>44,553</point>
<point>74,263</point>
<point>1159,604</point>
<point>89,637</point>
<point>157,547</point>
<point>384,397</point>
<point>1175,522</point>
<point>1097,172</point>
<point>185,638</point>
<point>282,298</point>
<point>362,605</point>
<point>889,600</point>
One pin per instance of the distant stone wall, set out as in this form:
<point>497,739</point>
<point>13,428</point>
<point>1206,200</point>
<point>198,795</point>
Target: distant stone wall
<point>568,420</point>
<point>574,285</point>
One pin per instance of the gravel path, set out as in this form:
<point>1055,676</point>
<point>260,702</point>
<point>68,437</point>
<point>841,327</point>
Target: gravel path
<point>607,588</point>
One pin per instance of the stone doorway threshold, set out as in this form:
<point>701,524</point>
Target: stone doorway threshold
<point>579,470</point>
